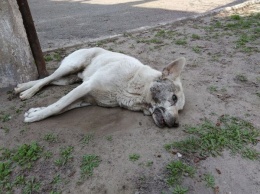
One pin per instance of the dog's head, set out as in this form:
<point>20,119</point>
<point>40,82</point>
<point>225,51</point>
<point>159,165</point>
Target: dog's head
<point>167,95</point>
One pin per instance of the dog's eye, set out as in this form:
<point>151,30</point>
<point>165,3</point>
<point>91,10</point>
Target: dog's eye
<point>174,98</point>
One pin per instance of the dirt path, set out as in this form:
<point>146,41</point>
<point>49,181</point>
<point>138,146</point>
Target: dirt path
<point>222,77</point>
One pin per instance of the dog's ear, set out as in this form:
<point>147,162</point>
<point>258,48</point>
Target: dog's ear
<point>173,70</point>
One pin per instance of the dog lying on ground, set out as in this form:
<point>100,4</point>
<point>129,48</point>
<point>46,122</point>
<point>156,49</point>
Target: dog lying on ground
<point>112,79</point>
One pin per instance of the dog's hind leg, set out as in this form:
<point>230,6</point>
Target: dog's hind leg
<point>24,86</point>
<point>73,63</point>
<point>60,82</point>
<point>69,101</point>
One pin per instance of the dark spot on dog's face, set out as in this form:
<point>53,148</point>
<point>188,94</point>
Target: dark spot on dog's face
<point>163,90</point>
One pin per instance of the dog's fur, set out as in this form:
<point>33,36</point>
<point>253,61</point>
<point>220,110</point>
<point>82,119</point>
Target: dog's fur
<point>112,79</point>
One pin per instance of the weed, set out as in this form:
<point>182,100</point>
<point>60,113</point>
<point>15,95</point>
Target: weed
<point>56,179</point>
<point>26,154</point>
<point>109,138</point>
<point>176,170</point>
<point>196,49</point>
<point>65,156</point>
<point>241,78</point>
<point>57,56</point>
<point>210,140</point>
<point>161,33</point>
<point>5,117</point>
<point>87,138</point>
<point>235,17</point>
<point>210,180</point>
<point>88,163</point>
<point>50,137</point>
<point>31,186</point>
<point>134,157</point>
<point>258,94</point>
<point>5,171</point>
<point>195,36</point>
<point>212,88</point>
<point>181,42</point>
<point>48,58</point>
<point>149,163</point>
<point>156,41</point>
<point>179,190</point>
<point>47,155</point>
<point>164,34</point>
<point>18,110</point>
<point>19,180</point>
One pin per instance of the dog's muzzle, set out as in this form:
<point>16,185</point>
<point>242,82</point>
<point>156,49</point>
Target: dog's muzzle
<point>162,118</point>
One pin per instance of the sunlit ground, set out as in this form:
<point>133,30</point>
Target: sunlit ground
<point>188,5</point>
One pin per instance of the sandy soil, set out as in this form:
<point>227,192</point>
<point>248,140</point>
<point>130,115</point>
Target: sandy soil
<point>213,87</point>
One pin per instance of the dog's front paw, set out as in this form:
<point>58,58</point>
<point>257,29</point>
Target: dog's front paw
<point>34,114</point>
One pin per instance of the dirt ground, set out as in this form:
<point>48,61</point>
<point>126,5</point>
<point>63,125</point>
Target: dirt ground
<point>222,76</point>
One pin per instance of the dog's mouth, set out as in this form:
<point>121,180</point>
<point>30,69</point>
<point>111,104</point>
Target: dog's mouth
<point>161,120</point>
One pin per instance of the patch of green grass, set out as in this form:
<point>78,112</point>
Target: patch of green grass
<point>195,36</point>
<point>176,171</point>
<point>181,42</point>
<point>109,138</point>
<point>235,17</point>
<point>57,56</point>
<point>196,49</point>
<point>149,163</point>
<point>165,34</point>
<point>50,137</point>
<point>19,180</point>
<point>31,186</point>
<point>209,139</point>
<point>56,179</point>
<point>47,155</point>
<point>179,190</point>
<point>88,163</point>
<point>48,58</point>
<point>213,88</point>
<point>156,41</point>
<point>134,157</point>
<point>5,117</point>
<point>26,154</point>
<point>241,78</point>
<point>65,156</point>
<point>5,172</point>
<point>210,180</point>
<point>87,138</point>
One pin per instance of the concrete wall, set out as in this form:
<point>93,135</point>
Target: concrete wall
<point>16,60</point>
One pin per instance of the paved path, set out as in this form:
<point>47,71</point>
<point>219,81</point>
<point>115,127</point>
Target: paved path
<point>67,22</point>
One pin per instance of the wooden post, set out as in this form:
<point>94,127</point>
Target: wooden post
<point>32,37</point>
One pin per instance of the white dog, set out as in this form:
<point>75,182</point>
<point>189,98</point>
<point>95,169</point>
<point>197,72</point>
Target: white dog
<point>112,79</point>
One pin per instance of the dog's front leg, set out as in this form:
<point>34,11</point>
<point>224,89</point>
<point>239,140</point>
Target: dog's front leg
<point>37,114</point>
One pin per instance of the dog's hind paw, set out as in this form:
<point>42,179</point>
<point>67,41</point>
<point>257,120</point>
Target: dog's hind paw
<point>26,94</point>
<point>21,87</point>
<point>34,114</point>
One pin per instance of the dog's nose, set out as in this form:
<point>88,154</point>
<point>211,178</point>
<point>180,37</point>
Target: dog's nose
<point>176,124</point>
<point>173,121</point>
